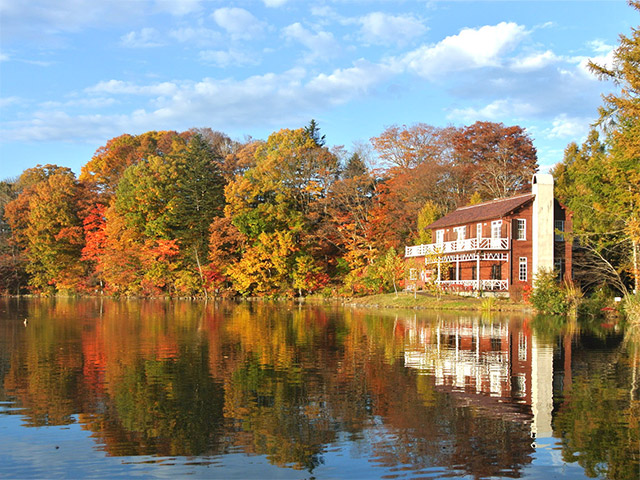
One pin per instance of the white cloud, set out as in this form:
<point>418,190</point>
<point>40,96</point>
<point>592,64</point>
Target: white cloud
<point>261,100</point>
<point>118,87</point>
<point>344,84</point>
<point>535,61</point>
<point>224,58</point>
<point>567,127</point>
<point>600,47</point>
<point>100,102</point>
<point>4,57</point>
<point>145,38</point>
<point>198,36</point>
<point>497,111</point>
<point>8,101</point>
<point>382,29</point>
<point>238,22</point>
<point>38,20</point>
<point>471,48</point>
<point>321,44</point>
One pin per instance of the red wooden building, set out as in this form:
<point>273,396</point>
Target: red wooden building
<point>495,246</point>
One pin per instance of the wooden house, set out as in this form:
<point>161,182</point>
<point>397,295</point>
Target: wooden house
<point>496,246</point>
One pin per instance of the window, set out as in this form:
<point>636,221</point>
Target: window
<point>413,274</point>
<point>496,272</point>
<point>558,266</point>
<point>496,229</point>
<point>479,230</point>
<point>440,237</point>
<point>474,273</point>
<point>559,233</point>
<point>452,273</point>
<point>461,232</point>
<point>522,269</point>
<point>521,229</point>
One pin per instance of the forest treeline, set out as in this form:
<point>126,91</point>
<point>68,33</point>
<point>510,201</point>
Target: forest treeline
<point>196,213</point>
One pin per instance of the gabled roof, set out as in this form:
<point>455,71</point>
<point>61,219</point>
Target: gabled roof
<point>494,209</point>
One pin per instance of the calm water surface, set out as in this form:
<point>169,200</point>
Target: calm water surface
<point>166,389</point>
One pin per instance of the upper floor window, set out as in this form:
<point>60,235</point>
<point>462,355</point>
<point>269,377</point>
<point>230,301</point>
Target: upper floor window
<point>440,236</point>
<point>559,230</point>
<point>496,229</point>
<point>521,229</point>
<point>479,230</point>
<point>461,232</point>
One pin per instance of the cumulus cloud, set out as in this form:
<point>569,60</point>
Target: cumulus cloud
<point>535,61</point>
<point>269,99</point>
<point>382,29</point>
<point>321,44</point>
<point>224,58</point>
<point>497,111</point>
<point>145,38</point>
<point>567,127</point>
<point>238,22</point>
<point>197,36</point>
<point>471,48</point>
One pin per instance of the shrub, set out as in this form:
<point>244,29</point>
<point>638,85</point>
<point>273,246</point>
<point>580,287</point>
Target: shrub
<point>548,296</point>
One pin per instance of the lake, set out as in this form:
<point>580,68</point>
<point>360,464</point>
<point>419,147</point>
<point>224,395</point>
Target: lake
<point>152,388</point>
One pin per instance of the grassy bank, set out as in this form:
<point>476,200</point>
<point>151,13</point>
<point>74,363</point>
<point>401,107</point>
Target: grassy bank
<point>431,302</point>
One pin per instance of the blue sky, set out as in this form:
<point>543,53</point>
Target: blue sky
<point>76,73</point>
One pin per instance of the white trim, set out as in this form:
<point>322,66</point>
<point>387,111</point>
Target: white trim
<point>522,230</point>
<point>496,229</point>
<point>522,269</point>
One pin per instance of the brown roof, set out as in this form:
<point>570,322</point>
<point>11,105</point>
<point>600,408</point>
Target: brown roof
<point>482,211</point>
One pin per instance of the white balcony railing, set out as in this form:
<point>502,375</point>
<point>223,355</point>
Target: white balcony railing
<point>495,285</point>
<point>466,245</point>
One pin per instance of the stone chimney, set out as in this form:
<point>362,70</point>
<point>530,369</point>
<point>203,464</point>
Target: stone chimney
<point>543,227</point>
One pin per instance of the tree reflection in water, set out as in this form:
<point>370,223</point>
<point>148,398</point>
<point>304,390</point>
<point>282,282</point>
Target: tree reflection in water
<point>291,382</point>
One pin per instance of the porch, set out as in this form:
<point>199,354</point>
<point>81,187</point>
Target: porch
<point>457,246</point>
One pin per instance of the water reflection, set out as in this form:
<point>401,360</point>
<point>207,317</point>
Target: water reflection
<point>300,386</point>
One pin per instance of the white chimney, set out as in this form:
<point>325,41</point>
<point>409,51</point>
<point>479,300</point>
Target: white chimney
<point>542,228</point>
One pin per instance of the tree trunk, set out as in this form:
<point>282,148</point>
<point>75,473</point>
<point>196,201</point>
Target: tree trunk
<point>204,287</point>
<point>636,269</point>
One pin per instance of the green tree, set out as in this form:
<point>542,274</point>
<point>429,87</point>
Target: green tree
<point>621,115</point>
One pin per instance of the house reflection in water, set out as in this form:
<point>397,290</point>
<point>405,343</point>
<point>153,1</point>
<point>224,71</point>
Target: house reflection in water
<point>497,366</point>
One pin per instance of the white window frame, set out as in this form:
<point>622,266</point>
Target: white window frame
<point>521,229</point>
<point>496,229</point>
<point>461,232</point>
<point>522,269</point>
<point>479,230</point>
<point>439,237</point>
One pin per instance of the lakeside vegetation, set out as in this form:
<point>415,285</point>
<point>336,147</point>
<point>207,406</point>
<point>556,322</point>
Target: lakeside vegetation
<point>198,214</point>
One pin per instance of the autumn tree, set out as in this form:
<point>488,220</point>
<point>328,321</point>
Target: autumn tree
<point>45,222</point>
<point>110,161</point>
<point>408,147</point>
<point>495,160</point>
<point>275,204</point>
<point>12,261</point>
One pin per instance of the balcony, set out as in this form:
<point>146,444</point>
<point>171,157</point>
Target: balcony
<point>457,246</point>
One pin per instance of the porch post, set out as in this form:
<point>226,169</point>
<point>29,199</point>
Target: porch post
<point>478,270</point>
